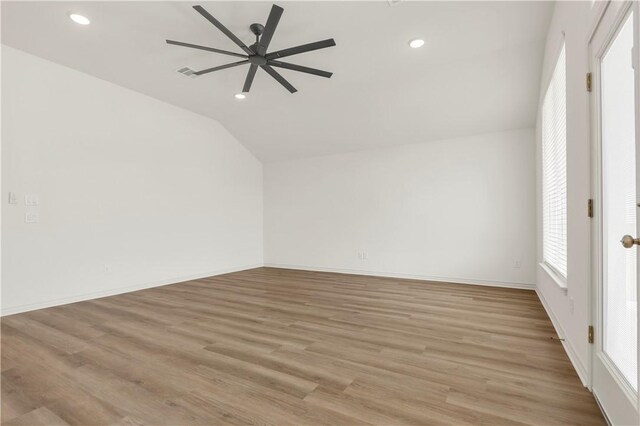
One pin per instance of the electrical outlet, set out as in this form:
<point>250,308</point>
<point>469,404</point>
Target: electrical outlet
<point>12,198</point>
<point>107,269</point>
<point>32,217</point>
<point>517,263</point>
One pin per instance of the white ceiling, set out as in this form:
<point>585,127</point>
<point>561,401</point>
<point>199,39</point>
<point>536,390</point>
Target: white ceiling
<point>478,72</point>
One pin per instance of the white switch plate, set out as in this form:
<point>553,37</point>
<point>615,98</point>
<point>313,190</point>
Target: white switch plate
<point>31,200</point>
<point>12,198</point>
<point>32,217</point>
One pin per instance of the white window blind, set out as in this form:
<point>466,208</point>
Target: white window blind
<point>554,170</point>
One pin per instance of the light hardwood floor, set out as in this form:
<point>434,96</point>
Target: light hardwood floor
<point>282,347</point>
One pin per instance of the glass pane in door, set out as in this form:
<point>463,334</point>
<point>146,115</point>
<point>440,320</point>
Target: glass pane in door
<point>619,204</point>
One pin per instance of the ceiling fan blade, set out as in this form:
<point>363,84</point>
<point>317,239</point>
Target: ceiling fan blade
<point>273,73</point>
<point>301,49</point>
<point>300,68</point>
<point>249,80</point>
<point>269,29</point>
<point>209,49</point>
<point>221,67</point>
<point>222,28</point>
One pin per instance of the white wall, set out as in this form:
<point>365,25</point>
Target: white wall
<point>455,210</point>
<point>570,309</point>
<point>157,193</point>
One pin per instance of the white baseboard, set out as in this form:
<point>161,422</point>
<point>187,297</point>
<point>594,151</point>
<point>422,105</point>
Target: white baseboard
<point>112,292</point>
<point>519,285</point>
<point>580,368</point>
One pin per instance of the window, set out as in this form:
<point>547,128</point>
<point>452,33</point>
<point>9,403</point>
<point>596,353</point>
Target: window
<point>554,170</point>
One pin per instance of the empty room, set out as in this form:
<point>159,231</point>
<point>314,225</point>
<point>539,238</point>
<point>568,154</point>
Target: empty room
<point>302,213</point>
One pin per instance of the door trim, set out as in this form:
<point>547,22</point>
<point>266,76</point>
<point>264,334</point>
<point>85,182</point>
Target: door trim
<point>595,228</point>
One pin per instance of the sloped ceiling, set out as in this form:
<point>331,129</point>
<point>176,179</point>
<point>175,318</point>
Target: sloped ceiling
<point>478,72</point>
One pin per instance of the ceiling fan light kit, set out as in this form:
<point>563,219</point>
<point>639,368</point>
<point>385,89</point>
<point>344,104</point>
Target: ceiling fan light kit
<point>256,55</point>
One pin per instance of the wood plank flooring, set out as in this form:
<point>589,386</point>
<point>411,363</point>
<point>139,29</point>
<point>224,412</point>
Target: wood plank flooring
<point>281,347</point>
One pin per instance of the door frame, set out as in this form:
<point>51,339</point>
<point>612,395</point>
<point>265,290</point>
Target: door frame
<point>595,296</point>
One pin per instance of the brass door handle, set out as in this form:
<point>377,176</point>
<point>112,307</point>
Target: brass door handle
<point>628,241</point>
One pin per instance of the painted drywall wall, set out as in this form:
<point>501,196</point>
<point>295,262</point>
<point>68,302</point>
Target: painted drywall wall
<point>569,309</point>
<point>459,210</point>
<point>133,192</point>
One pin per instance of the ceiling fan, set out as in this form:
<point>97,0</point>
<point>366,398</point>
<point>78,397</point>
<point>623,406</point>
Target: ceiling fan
<point>256,55</point>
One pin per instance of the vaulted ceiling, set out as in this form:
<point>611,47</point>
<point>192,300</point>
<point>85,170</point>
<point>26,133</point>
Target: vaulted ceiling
<point>478,71</point>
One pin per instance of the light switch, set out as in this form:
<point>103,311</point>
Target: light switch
<point>12,198</point>
<point>32,217</point>
<point>31,200</point>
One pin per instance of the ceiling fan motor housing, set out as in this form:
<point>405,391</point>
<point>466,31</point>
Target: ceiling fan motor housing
<point>257,60</point>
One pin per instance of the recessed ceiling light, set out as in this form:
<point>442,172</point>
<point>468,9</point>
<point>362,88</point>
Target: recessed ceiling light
<point>79,19</point>
<point>416,42</point>
<point>240,96</point>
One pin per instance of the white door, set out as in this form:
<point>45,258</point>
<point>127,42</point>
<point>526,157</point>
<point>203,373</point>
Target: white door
<point>614,66</point>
